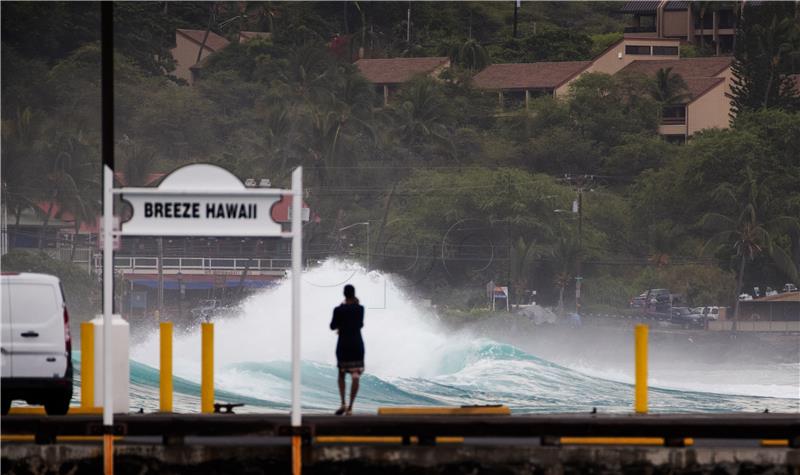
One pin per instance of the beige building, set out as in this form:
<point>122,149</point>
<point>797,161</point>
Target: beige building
<point>708,105</point>
<point>709,23</point>
<point>708,81</point>
<point>388,74</point>
<point>516,83</point>
<point>188,44</point>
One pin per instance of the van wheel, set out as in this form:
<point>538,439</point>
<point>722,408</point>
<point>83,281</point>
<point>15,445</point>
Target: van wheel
<point>56,406</point>
<point>6,405</point>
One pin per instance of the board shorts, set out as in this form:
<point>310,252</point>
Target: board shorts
<point>352,367</point>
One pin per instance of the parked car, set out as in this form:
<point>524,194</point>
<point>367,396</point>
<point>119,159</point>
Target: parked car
<point>687,318</point>
<point>711,313</point>
<point>36,344</point>
<point>789,288</point>
<point>638,301</point>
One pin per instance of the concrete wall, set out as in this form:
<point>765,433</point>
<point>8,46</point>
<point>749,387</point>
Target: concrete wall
<point>675,24</point>
<point>352,459</point>
<point>709,111</point>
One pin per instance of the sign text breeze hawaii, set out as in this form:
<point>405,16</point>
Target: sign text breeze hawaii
<point>192,210</point>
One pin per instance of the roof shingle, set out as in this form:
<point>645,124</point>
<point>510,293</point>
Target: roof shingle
<point>398,70</point>
<point>542,75</point>
<point>640,6</point>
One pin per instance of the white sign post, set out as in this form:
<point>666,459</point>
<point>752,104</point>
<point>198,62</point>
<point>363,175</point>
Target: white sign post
<point>202,200</point>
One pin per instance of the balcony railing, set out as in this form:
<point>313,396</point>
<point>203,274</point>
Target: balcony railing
<point>640,29</point>
<point>673,121</point>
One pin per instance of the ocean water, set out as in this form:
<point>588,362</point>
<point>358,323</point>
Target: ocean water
<point>413,359</point>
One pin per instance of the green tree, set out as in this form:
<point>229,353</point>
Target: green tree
<point>767,54</point>
<point>668,88</point>
<point>745,231</point>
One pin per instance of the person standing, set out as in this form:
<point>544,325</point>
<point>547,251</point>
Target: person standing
<point>348,319</point>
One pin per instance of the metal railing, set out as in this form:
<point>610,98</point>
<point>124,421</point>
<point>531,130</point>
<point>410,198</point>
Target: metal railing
<point>195,264</point>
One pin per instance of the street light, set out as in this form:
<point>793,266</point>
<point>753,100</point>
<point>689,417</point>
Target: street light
<point>358,224</point>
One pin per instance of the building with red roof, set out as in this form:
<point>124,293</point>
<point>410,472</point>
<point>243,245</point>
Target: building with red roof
<point>387,74</point>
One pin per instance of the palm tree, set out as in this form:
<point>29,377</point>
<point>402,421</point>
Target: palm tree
<point>72,179</point>
<point>566,253</point>
<point>668,88</point>
<point>744,232</point>
<point>470,55</point>
<point>419,113</point>
<point>21,165</point>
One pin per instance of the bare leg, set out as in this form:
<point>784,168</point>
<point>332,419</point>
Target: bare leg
<point>341,387</point>
<point>353,389</point>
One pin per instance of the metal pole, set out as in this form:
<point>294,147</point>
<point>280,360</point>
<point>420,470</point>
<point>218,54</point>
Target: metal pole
<point>297,259</point>
<point>108,288</point>
<point>367,246</point>
<point>160,293</point>
<point>107,114</point>
<point>579,278</point>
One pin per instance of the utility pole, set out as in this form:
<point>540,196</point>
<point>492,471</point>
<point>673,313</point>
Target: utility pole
<point>580,183</point>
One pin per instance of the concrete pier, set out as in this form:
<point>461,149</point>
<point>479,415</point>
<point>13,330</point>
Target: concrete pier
<point>371,459</point>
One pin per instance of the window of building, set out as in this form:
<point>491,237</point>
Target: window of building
<point>665,50</point>
<point>637,49</point>
<point>673,115</point>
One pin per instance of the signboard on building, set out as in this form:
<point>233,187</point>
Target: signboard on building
<point>201,200</point>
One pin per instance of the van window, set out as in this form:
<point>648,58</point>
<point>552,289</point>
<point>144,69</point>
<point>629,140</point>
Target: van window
<point>34,303</point>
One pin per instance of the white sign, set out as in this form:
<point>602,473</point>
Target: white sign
<point>201,200</point>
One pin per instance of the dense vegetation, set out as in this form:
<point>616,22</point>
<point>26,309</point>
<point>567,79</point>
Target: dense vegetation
<point>457,194</point>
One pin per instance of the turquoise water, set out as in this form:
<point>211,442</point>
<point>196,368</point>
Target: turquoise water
<point>490,373</point>
<point>412,359</point>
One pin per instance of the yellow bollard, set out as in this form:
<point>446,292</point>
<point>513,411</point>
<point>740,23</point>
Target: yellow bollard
<point>165,368</point>
<point>297,455</point>
<point>87,364</point>
<point>207,371</point>
<point>641,369</point>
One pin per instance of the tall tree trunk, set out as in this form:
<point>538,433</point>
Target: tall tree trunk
<point>46,221</point>
<point>738,292</point>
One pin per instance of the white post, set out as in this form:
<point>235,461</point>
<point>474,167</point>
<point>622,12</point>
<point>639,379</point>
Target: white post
<point>108,287</point>
<point>297,259</point>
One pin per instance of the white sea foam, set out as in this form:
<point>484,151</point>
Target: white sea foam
<point>411,357</point>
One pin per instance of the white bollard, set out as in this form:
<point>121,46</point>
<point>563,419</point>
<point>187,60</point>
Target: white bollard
<point>120,361</point>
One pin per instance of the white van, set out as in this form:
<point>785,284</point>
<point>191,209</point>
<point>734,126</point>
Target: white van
<point>36,345</point>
